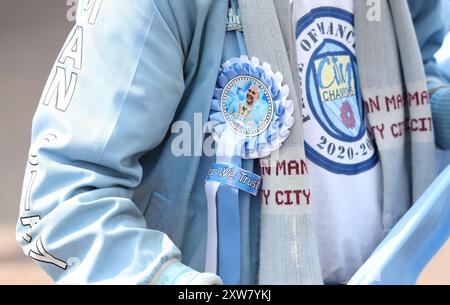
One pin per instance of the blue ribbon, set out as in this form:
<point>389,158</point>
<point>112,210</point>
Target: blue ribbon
<point>229,235</point>
<point>232,178</point>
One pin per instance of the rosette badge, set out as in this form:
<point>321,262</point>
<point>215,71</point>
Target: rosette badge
<point>250,117</point>
<point>250,109</point>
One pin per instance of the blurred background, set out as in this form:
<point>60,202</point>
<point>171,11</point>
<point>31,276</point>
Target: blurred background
<point>31,35</point>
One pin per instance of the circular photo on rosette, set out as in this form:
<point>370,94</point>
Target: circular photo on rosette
<point>250,100</point>
<point>247,105</point>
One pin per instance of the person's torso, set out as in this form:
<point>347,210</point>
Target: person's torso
<point>183,215</point>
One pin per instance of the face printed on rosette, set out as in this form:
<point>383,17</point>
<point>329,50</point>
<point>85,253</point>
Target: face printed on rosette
<point>252,94</point>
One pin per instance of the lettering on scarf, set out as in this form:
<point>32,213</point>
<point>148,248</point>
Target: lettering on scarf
<point>398,129</point>
<point>283,167</point>
<point>293,169</point>
<point>287,197</point>
<point>396,102</point>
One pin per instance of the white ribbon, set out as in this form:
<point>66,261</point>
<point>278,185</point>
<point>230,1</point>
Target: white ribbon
<point>229,145</point>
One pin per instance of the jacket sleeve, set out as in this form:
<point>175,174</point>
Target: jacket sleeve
<point>431,23</point>
<point>110,98</point>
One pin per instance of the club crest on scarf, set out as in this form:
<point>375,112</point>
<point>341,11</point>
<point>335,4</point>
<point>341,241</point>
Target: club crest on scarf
<point>335,132</point>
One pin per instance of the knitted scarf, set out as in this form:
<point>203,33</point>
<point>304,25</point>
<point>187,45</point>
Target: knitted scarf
<point>395,96</point>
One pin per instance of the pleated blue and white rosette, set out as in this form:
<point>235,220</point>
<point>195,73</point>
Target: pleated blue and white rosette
<point>238,139</point>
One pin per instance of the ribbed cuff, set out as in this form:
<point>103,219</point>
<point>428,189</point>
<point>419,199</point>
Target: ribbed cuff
<point>434,84</point>
<point>173,272</point>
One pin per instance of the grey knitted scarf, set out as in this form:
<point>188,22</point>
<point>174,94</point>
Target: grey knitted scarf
<point>394,90</point>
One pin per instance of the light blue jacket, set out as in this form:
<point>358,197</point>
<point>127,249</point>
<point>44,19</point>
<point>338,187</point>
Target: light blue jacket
<point>431,21</point>
<point>104,199</point>
<point>103,194</point>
